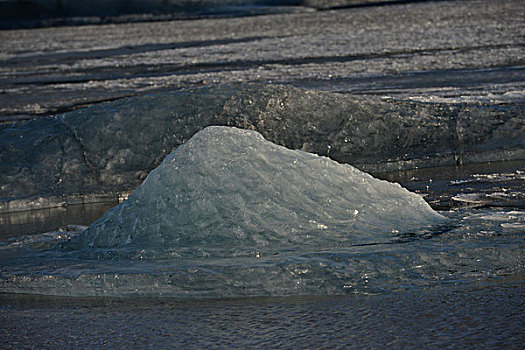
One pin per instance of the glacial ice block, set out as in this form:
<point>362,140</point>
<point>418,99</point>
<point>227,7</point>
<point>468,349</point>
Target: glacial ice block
<point>230,187</point>
<point>109,148</point>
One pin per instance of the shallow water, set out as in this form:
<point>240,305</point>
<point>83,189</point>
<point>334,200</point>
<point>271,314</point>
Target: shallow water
<point>31,222</point>
<point>484,315</point>
<point>482,239</point>
<point>459,286</point>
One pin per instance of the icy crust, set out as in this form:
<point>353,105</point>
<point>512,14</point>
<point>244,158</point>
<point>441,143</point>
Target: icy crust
<point>111,147</point>
<point>228,186</point>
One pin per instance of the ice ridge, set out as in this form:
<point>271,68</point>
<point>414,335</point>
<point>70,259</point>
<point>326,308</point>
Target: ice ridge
<point>111,147</point>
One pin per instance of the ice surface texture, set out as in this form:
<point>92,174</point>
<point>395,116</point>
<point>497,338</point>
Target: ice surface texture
<point>111,147</point>
<point>228,187</point>
<point>229,214</point>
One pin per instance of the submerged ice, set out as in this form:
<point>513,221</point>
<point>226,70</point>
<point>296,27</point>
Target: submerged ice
<point>228,187</point>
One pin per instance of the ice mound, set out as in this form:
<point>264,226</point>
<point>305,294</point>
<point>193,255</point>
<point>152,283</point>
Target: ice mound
<point>109,148</point>
<point>231,187</point>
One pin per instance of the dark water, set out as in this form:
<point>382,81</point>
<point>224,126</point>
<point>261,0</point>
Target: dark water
<point>484,315</point>
<point>45,13</point>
